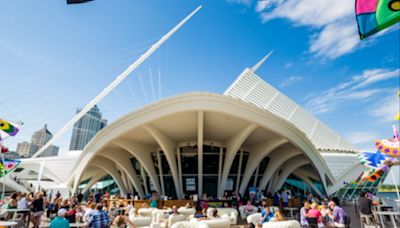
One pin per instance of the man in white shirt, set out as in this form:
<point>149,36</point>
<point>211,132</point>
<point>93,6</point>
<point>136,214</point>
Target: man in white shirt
<point>285,198</point>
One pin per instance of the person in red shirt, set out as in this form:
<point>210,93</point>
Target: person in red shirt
<point>315,213</point>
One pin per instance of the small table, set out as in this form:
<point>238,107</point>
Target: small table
<point>8,224</point>
<point>16,211</point>
<point>291,209</point>
<point>391,214</point>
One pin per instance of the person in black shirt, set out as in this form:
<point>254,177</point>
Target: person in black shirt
<point>364,204</point>
<point>37,209</point>
<point>80,197</point>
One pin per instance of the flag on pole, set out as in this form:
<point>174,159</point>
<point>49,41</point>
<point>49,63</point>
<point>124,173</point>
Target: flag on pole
<point>7,129</point>
<point>8,166</point>
<point>376,15</point>
<point>389,147</point>
<point>373,160</point>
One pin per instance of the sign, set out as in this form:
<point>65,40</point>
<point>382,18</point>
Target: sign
<point>229,184</point>
<point>190,184</point>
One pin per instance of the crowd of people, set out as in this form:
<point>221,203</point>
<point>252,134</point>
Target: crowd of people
<point>97,213</point>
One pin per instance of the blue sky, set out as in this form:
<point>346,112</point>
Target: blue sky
<point>56,57</point>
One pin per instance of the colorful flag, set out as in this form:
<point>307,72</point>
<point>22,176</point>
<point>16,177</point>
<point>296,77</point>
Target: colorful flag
<point>389,147</point>
<point>372,175</point>
<point>376,15</point>
<point>372,160</point>
<point>7,129</point>
<point>8,166</point>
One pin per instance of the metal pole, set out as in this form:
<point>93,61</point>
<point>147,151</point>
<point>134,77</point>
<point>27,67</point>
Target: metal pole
<point>395,185</point>
<point>115,83</point>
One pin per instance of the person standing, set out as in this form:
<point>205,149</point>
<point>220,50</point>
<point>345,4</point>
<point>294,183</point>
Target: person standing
<point>37,210</point>
<point>80,197</point>
<point>285,198</point>
<point>60,221</point>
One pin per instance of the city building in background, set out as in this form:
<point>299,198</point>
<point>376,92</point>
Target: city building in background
<point>86,128</point>
<point>39,139</point>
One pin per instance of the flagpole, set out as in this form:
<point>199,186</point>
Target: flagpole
<point>395,186</point>
<point>115,83</point>
<point>4,176</point>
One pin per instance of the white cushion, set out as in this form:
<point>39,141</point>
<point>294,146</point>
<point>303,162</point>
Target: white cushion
<point>146,212</point>
<point>140,221</point>
<point>229,213</point>
<point>187,212</point>
<point>254,218</point>
<point>217,223</point>
<point>193,224</point>
<point>282,224</point>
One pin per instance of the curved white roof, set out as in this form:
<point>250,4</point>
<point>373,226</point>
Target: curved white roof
<point>251,88</point>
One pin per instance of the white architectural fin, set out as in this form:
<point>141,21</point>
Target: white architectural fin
<point>261,62</point>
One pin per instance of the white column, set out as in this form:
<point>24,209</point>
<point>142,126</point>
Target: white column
<point>200,126</point>
<point>160,171</point>
<point>221,156</point>
<point>40,173</point>
<point>168,147</point>
<point>232,146</point>
<point>256,176</point>
<point>178,157</point>
<point>144,179</point>
<point>239,169</point>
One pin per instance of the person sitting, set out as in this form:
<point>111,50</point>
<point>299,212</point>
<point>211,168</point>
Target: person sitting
<point>337,215</point>
<point>174,210</point>
<point>303,214</point>
<point>325,212</point>
<point>364,204</point>
<point>248,208</point>
<point>315,213</point>
<point>99,218</point>
<point>122,221</point>
<point>266,216</point>
<point>89,211</point>
<point>60,221</point>
<point>278,217</point>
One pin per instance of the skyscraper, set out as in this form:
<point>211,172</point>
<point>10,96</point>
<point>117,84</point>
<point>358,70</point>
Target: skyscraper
<point>86,128</point>
<point>38,139</point>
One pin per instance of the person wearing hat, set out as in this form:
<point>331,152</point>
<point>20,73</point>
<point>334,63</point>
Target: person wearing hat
<point>60,221</point>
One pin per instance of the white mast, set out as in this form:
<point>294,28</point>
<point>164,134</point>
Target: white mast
<point>115,83</point>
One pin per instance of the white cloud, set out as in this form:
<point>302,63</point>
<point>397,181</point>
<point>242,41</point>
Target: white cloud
<point>337,30</point>
<point>290,80</point>
<point>386,109</point>
<point>361,137</point>
<point>242,2</point>
<point>375,75</point>
<point>354,89</point>
<point>288,65</point>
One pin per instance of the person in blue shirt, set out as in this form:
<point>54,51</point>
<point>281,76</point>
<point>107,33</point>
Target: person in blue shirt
<point>266,215</point>
<point>60,221</point>
<point>99,219</point>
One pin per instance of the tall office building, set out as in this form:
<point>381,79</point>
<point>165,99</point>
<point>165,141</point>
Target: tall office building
<point>86,128</point>
<point>38,139</point>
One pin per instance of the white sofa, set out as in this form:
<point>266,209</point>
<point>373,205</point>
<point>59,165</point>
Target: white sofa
<point>282,224</point>
<point>215,223</point>
<point>146,212</point>
<point>141,221</point>
<point>187,212</point>
<point>256,218</point>
<point>228,213</point>
<point>242,212</point>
